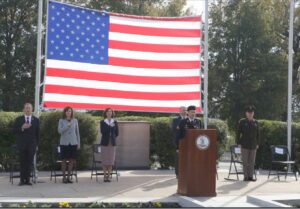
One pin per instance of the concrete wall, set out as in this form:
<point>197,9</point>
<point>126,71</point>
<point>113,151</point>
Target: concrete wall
<point>133,144</point>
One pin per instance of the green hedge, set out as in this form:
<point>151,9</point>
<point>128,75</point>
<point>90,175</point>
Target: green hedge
<point>223,135</point>
<point>7,138</point>
<point>161,147</point>
<point>274,133</point>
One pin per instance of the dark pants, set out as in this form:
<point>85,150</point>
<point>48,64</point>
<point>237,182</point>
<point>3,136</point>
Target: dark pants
<point>26,154</point>
<point>248,158</point>
<point>176,163</point>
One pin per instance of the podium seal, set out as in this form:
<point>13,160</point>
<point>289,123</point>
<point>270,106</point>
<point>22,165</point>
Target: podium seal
<point>202,142</point>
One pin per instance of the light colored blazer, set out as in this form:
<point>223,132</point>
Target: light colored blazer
<point>69,135</point>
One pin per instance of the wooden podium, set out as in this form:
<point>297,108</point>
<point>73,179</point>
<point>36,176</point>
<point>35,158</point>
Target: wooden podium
<point>197,163</point>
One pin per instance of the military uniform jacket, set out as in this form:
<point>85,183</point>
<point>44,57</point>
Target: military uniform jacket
<point>187,123</point>
<point>248,133</point>
<point>175,128</point>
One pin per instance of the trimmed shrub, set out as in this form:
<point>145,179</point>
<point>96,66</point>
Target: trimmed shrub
<point>222,135</point>
<point>162,149</point>
<point>7,138</point>
<point>274,133</point>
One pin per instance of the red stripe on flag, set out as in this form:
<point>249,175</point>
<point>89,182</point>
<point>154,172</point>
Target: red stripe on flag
<point>115,107</point>
<point>153,47</point>
<point>186,19</point>
<point>65,73</point>
<point>148,31</point>
<point>57,89</point>
<point>153,64</point>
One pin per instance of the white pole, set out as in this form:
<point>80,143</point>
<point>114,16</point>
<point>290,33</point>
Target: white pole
<point>38,70</point>
<point>290,74</point>
<point>206,66</point>
<point>38,60</point>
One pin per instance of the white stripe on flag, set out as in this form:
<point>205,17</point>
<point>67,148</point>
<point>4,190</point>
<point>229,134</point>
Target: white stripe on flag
<point>153,55</point>
<point>121,86</point>
<point>155,23</point>
<point>121,70</point>
<point>153,39</point>
<point>116,101</point>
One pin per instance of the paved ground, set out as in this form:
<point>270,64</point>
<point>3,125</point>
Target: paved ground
<point>152,185</point>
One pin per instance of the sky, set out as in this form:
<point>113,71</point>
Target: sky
<point>198,6</point>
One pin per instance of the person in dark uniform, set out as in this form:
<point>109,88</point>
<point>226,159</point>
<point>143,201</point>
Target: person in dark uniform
<point>247,138</point>
<point>190,122</point>
<point>175,127</point>
<point>27,130</point>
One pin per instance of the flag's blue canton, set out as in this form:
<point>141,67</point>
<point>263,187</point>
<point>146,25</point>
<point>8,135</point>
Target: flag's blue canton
<point>76,34</point>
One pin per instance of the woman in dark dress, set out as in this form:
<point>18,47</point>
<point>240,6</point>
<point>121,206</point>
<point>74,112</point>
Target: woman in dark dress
<point>110,131</point>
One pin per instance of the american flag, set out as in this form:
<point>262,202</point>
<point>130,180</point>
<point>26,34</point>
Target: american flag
<point>98,59</point>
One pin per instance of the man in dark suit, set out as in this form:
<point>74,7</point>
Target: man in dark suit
<point>26,128</point>
<point>175,127</point>
<point>190,122</point>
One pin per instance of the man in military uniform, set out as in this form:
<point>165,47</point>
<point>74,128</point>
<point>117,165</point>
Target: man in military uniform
<point>248,139</point>
<point>175,127</point>
<point>190,122</point>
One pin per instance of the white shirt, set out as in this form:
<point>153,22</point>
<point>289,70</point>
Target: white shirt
<point>109,122</point>
<point>29,118</point>
<point>182,117</point>
<point>191,119</point>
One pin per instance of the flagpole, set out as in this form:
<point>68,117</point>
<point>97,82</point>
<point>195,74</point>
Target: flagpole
<point>290,75</point>
<point>38,70</point>
<point>206,66</point>
<point>38,60</point>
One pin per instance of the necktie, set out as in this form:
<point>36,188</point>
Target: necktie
<point>27,119</point>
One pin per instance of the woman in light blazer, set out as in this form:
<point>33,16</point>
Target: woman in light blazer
<point>110,131</point>
<point>69,141</point>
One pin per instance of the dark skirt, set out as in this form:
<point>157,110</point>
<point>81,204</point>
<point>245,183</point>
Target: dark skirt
<point>108,154</point>
<point>68,151</point>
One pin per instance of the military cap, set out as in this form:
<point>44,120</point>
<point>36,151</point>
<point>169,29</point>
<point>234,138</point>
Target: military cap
<point>191,107</point>
<point>250,108</point>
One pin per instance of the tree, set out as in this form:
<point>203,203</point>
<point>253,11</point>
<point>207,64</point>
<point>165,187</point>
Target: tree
<point>17,52</point>
<point>296,62</point>
<point>246,62</point>
<point>143,7</point>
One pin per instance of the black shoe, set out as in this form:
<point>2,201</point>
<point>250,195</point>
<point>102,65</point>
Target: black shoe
<point>69,181</point>
<point>246,179</point>
<point>28,183</point>
<point>106,180</point>
<point>65,181</point>
<point>251,179</point>
<point>21,184</point>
